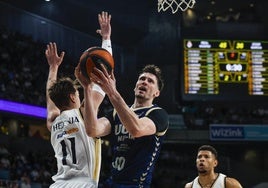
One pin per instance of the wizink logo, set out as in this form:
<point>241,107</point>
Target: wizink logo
<point>225,132</point>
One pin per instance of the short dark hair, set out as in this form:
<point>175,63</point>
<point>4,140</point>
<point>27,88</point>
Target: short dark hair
<point>60,90</point>
<point>155,70</point>
<point>209,148</point>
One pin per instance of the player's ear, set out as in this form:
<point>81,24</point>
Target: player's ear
<point>215,163</point>
<point>157,93</point>
<point>72,97</point>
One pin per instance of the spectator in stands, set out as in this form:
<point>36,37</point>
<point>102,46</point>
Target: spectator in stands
<point>25,181</point>
<point>4,162</point>
<point>3,150</point>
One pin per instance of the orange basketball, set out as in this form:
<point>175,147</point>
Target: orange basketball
<point>94,57</point>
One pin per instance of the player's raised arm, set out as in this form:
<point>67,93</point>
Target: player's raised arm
<point>54,61</point>
<point>105,30</point>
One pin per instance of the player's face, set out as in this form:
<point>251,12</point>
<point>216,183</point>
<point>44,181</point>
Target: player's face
<point>205,162</point>
<point>146,86</point>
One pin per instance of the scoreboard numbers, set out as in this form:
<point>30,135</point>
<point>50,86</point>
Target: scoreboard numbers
<point>220,67</point>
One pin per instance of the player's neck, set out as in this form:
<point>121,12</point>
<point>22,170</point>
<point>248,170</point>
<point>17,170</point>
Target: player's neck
<point>139,103</point>
<point>67,108</point>
<point>206,181</point>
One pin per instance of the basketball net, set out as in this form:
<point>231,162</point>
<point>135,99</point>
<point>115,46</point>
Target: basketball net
<point>175,5</point>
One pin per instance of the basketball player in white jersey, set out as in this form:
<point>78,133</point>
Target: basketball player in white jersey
<point>206,162</point>
<point>78,155</point>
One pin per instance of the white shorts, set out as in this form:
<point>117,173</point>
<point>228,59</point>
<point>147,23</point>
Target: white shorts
<point>77,182</point>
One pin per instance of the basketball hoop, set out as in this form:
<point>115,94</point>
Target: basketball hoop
<point>175,5</point>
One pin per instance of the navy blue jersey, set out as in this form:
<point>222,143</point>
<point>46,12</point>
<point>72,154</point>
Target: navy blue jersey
<point>134,158</point>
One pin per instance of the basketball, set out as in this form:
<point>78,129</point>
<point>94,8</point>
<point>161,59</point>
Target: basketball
<point>94,57</point>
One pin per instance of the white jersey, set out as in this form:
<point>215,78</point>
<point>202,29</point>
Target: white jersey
<point>77,154</point>
<point>218,183</point>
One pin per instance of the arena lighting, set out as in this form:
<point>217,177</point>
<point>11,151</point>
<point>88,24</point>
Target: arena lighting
<point>23,109</point>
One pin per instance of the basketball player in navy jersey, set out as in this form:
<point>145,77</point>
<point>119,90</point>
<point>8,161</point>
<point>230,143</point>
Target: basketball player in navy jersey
<point>77,152</point>
<point>206,161</point>
<point>136,131</point>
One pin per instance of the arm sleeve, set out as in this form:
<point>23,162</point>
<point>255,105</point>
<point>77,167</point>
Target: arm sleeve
<point>107,45</point>
<point>160,118</point>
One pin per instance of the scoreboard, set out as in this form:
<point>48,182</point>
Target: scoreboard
<point>225,69</point>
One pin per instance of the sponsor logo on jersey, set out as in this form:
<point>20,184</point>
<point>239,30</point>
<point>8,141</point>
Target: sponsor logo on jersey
<point>121,133</point>
<point>60,125</point>
<point>71,131</point>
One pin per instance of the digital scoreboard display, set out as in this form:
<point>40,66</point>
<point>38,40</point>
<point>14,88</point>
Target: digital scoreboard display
<point>225,69</point>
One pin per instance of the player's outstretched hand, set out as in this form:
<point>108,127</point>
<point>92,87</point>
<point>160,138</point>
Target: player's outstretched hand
<point>52,56</point>
<point>105,25</point>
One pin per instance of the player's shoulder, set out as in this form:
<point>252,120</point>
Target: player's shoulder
<point>157,109</point>
<point>188,185</point>
<point>232,183</point>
